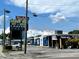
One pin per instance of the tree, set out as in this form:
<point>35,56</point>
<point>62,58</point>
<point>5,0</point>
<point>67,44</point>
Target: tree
<point>6,35</point>
<point>74,32</point>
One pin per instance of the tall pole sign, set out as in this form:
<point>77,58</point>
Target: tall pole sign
<point>26,25</point>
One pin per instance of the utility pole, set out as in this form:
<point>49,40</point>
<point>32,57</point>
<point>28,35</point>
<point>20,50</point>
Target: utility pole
<point>26,26</point>
<point>4,37</point>
<point>4,30</point>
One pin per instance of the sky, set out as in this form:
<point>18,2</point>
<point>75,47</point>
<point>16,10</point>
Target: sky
<point>51,14</point>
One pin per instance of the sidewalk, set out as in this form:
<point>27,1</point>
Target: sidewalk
<point>18,55</point>
<point>1,53</point>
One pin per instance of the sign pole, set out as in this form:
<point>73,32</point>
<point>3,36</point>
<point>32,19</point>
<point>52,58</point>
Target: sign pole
<point>25,47</point>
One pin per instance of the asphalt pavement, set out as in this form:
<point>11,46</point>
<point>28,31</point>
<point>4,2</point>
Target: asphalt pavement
<point>68,58</point>
<point>36,52</point>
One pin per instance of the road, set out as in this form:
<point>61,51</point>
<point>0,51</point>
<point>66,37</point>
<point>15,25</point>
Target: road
<point>36,52</point>
<point>68,58</point>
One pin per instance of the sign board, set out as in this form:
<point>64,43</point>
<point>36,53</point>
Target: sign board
<point>54,38</point>
<point>19,23</point>
<point>58,32</point>
<point>20,17</point>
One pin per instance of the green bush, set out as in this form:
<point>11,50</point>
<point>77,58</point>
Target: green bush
<point>7,48</point>
<point>73,40</point>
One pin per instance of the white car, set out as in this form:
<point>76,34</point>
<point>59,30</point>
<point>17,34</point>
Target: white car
<point>15,46</point>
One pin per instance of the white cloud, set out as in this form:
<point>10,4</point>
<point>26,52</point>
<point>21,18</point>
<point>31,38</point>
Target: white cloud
<point>68,8</point>
<point>48,32</point>
<point>20,3</point>
<point>1,31</point>
<point>46,6</point>
<point>65,32</point>
<point>7,30</point>
<point>57,18</point>
<point>33,32</point>
<point>1,22</point>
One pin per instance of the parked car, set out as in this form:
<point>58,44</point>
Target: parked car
<point>15,46</point>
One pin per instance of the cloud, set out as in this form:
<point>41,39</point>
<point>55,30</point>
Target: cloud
<point>68,8</point>
<point>57,18</point>
<point>7,30</point>
<point>1,30</point>
<point>20,3</point>
<point>1,22</point>
<point>47,6</point>
<point>48,32</point>
<point>65,32</point>
<point>33,32</point>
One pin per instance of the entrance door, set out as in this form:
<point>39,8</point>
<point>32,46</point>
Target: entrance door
<point>50,41</point>
<point>45,41</point>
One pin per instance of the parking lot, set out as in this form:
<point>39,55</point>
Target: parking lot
<point>37,52</point>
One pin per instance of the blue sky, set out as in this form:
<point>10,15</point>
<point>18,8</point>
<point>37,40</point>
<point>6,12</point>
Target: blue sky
<point>52,14</point>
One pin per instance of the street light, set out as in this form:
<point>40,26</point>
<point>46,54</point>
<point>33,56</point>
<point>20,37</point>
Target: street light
<point>5,11</point>
<point>26,27</point>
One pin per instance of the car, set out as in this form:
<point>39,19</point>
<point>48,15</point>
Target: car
<point>15,46</point>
